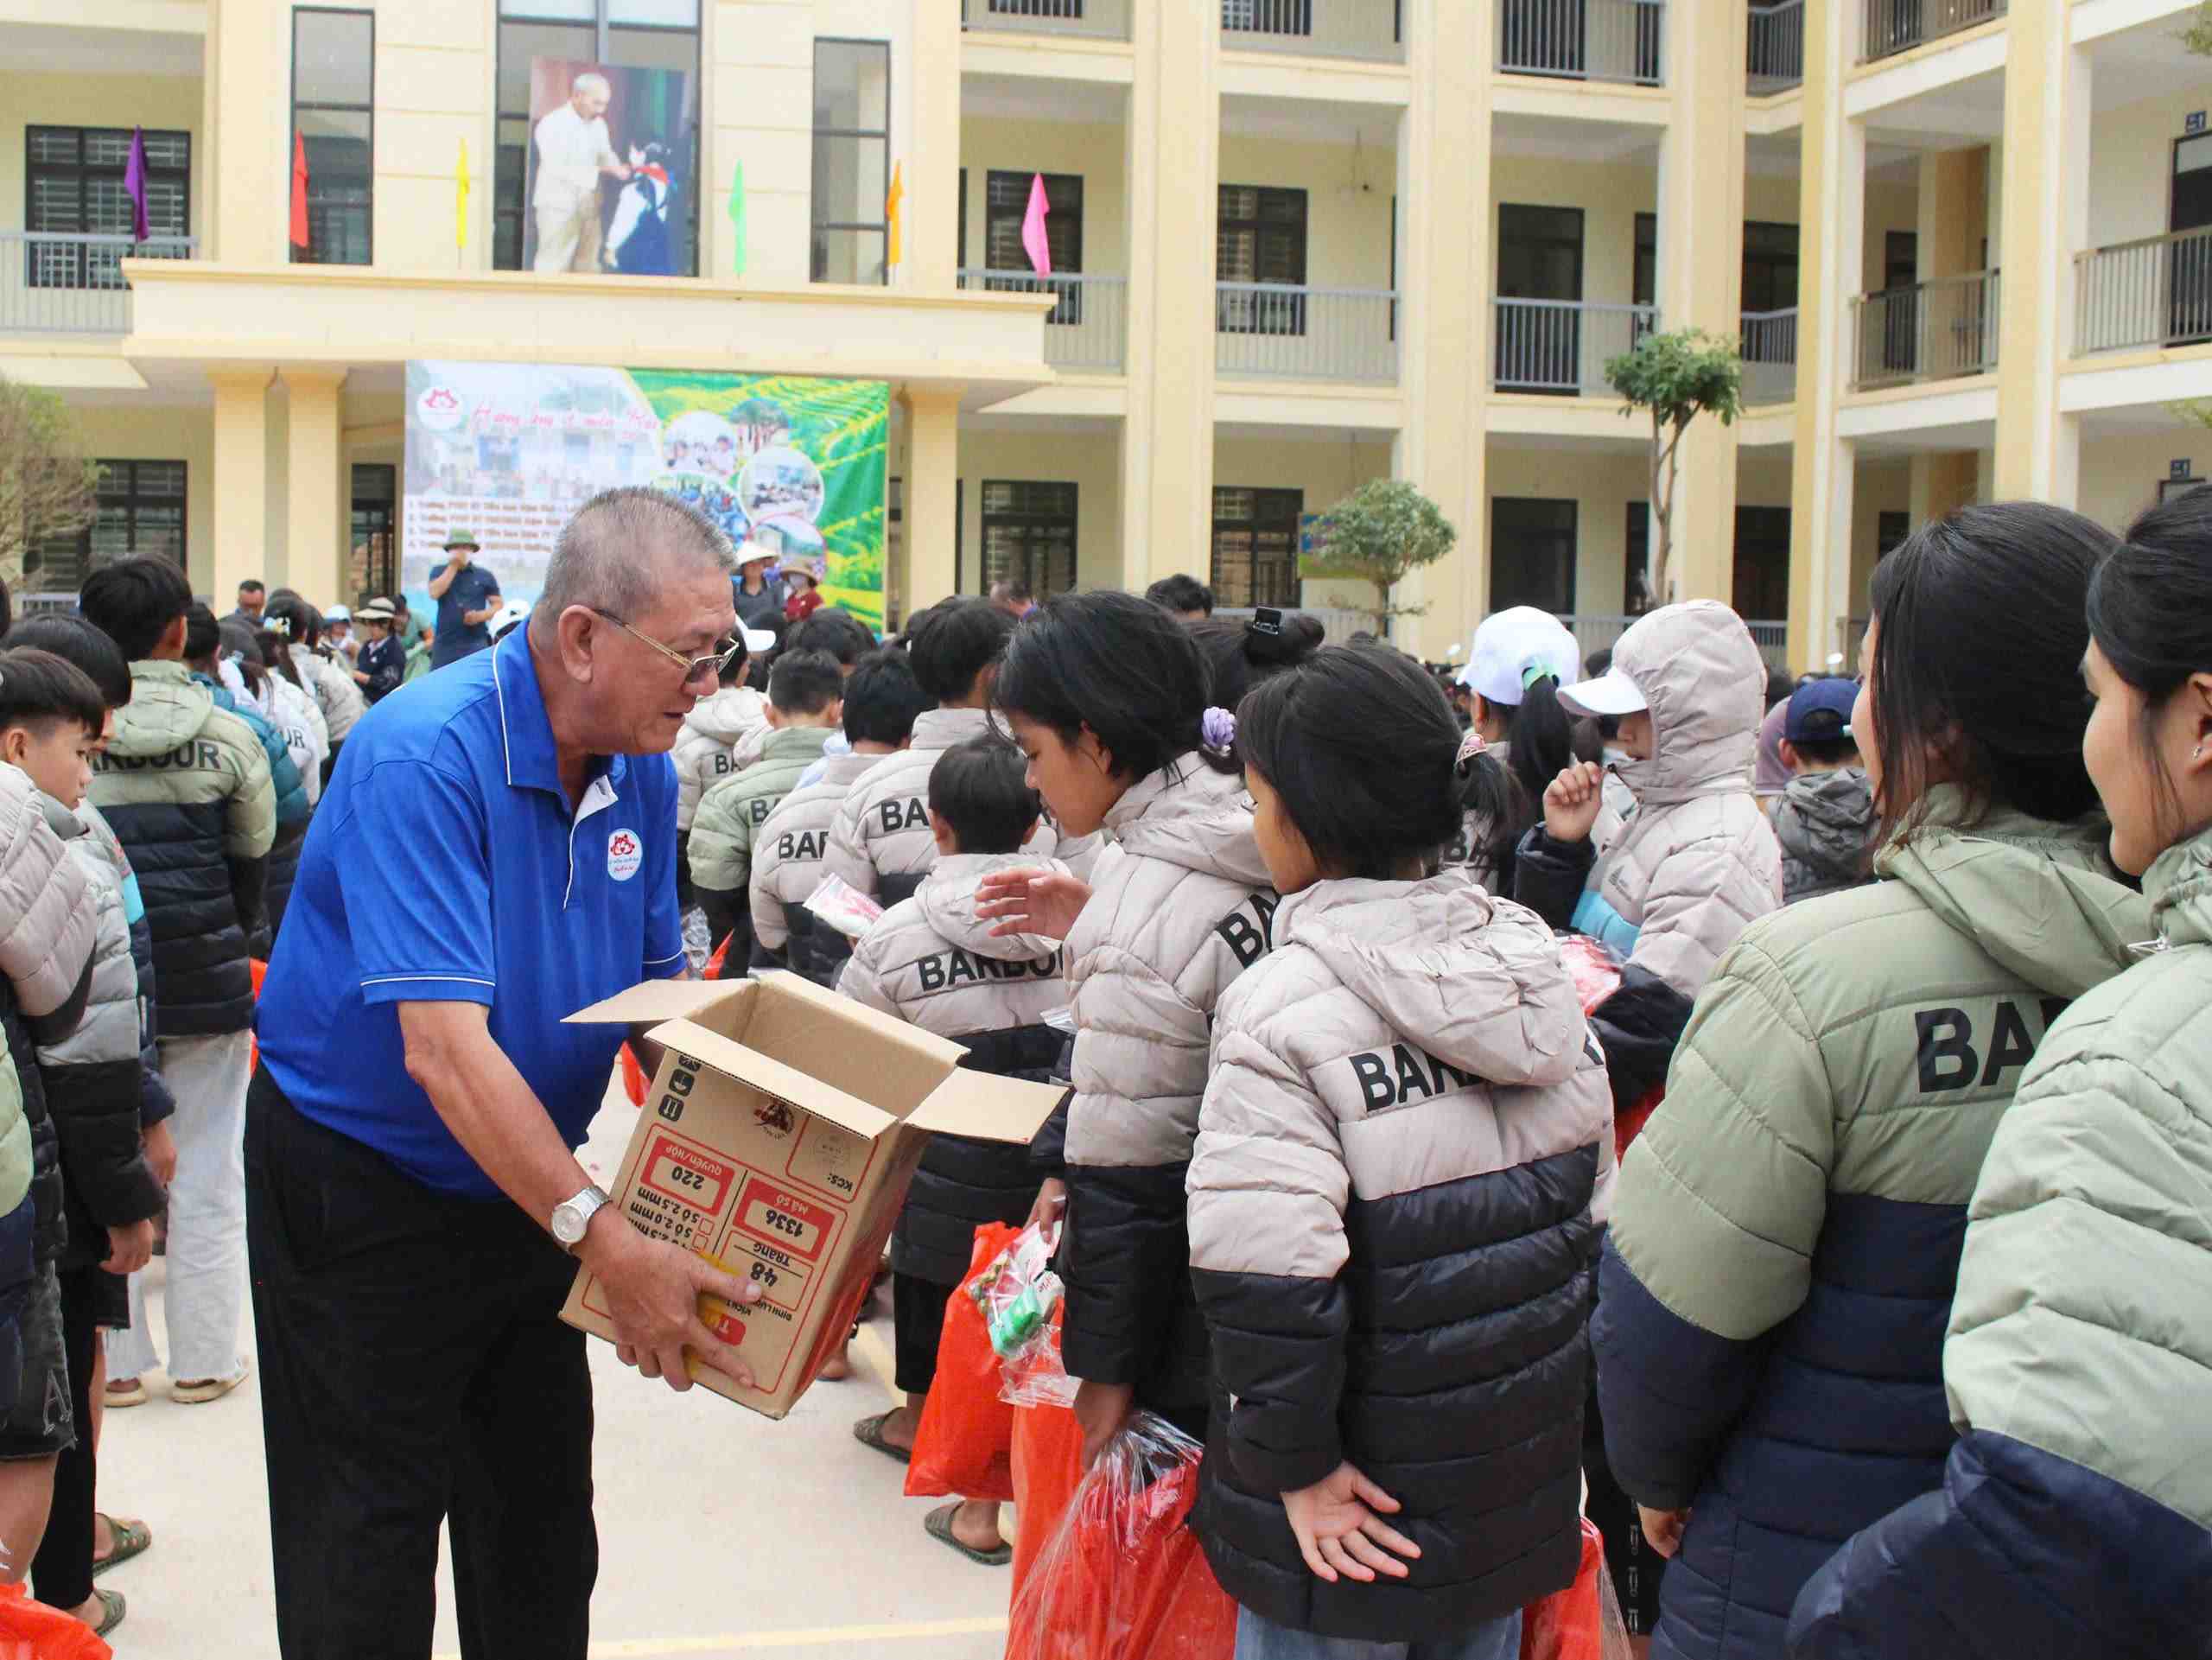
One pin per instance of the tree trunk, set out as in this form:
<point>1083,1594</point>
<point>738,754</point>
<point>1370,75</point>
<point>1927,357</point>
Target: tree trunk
<point>1663,508</point>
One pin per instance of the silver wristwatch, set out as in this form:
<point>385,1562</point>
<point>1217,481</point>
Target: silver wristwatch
<point>571,1217</point>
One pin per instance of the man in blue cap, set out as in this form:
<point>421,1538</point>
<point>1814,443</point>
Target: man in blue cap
<point>1826,819</point>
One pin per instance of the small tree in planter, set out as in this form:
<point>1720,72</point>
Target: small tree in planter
<point>45,484</point>
<point>1677,377</point>
<point>1380,534</point>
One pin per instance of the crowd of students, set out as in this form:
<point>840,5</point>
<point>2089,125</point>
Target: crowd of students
<point>1843,1254</point>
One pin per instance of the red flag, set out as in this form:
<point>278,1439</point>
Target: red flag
<point>299,191</point>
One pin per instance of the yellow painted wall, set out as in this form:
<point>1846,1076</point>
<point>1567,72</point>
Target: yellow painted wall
<point>1883,486</point>
<point>2119,475</point>
<point>1604,482</point>
<point>1327,470</point>
<point>1089,458</point>
<point>1093,151</point>
<point>172,102</point>
<point>2132,151</point>
<point>137,433</point>
<point>1889,206</point>
<point>1609,197</point>
<point>1348,194</point>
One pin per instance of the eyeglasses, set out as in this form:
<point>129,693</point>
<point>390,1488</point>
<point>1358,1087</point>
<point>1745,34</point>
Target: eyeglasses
<point>694,667</point>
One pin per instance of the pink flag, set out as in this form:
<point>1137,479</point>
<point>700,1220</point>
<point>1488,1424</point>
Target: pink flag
<point>134,183</point>
<point>1033,229</point>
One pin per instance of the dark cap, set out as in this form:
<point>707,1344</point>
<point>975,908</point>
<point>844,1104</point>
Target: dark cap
<point>1820,710</point>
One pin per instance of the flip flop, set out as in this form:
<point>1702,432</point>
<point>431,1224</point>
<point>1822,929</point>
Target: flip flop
<point>111,1609</point>
<point>939,1525</point>
<point>131,1539</point>
<point>869,1432</point>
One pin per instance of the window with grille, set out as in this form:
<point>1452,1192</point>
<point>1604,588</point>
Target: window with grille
<point>1260,237</point>
<point>1029,535</point>
<point>1006,206</point>
<point>1636,587</point>
<point>1267,17</point>
<point>374,570</point>
<point>1071,9</point>
<point>1532,545</point>
<point>141,510</point>
<point>1770,266</point>
<point>1255,546</point>
<point>333,113</point>
<point>72,185</point>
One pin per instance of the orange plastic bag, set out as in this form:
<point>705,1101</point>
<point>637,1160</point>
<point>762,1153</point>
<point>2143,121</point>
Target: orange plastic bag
<point>634,1081</point>
<point>964,1445</point>
<point>1121,1576</point>
<point>259,971</point>
<point>1047,1465</point>
<point>31,1631</point>
<point>1582,1622</point>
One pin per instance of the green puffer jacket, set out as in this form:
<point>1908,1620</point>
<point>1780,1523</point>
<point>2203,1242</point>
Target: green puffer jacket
<point>731,814</point>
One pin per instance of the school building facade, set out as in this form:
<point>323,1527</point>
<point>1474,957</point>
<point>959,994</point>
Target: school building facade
<point>1296,245</point>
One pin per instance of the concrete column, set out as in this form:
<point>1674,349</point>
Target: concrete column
<point>2044,219</point>
<point>1444,263</point>
<point>1832,220</point>
<point>1701,272</point>
<point>1942,482</point>
<point>932,477</point>
<point>316,525</point>
<point>1174,160</point>
<point>241,519</point>
<point>1953,212</point>
<point>245,167</point>
<point>931,208</point>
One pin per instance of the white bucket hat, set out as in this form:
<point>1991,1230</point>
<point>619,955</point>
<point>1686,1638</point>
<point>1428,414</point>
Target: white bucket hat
<point>1514,648</point>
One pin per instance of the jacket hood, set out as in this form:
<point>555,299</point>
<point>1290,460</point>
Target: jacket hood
<point>167,709</point>
<point>2038,897</point>
<point>947,898</point>
<point>2179,888</point>
<point>1187,814</point>
<point>727,716</point>
<point>1705,684</point>
<point>1826,819</point>
<point>944,729</point>
<point>795,743</point>
<point>1477,982</point>
<point>848,769</point>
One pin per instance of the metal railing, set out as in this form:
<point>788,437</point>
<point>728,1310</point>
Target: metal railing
<point>1770,356</point>
<point>1602,633</point>
<point>1321,29</point>
<point>1775,60</point>
<point>1088,329</point>
<point>1273,330</point>
<point>1561,345</point>
<point>52,283</point>
<point>2156,291</point>
<point>1337,624</point>
<point>1931,331</point>
<point>1895,26</point>
<point>1583,40</point>
<point>1102,20</point>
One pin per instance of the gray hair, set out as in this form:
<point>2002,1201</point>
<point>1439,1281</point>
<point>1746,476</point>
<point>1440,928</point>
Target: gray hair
<point>619,549</point>
<point>591,78</point>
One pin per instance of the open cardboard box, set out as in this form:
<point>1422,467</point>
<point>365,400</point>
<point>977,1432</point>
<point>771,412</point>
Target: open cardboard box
<point>783,1125</point>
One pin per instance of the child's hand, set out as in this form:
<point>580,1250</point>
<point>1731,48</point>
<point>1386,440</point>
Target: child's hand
<point>1101,1409</point>
<point>1663,1528</point>
<point>129,1249</point>
<point>1051,1204</point>
<point>161,1152</point>
<point>1571,804</point>
<point>1031,901</point>
<point>1339,1533</point>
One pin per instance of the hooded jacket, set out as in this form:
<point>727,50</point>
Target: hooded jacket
<point>728,821</point>
<point>292,808</point>
<point>1394,1225</point>
<point>933,962</point>
<point>2075,1365</point>
<point>186,787</point>
<point>1696,864</point>
<point>787,867</point>
<point>703,748</point>
<point>154,1102</point>
<point>1783,1251</point>
<point>292,715</point>
<point>881,843</point>
<point>1180,906</point>
<point>1826,824</point>
<point>335,694</point>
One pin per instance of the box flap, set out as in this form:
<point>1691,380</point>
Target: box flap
<point>772,1077</point>
<point>985,1105</point>
<point>659,1000</point>
<point>868,1055</point>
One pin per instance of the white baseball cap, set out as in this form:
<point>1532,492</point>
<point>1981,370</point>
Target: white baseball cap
<point>1517,646</point>
<point>510,613</point>
<point>338,613</point>
<point>757,640</point>
<point>1611,693</point>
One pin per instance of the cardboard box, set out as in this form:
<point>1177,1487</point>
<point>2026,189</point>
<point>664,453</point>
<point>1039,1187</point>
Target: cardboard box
<point>783,1125</point>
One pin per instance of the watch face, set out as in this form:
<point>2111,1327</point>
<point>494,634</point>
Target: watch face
<point>567,1225</point>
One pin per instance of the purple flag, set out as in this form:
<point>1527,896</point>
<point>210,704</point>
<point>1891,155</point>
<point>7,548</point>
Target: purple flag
<point>134,183</point>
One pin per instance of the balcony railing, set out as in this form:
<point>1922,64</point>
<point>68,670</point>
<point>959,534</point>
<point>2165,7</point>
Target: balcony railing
<point>1602,633</point>
<point>1274,331</point>
<point>1321,29</point>
<point>2154,292</point>
<point>1087,329</point>
<point>1931,331</point>
<point>1895,26</point>
<point>1583,40</point>
<point>1561,345</point>
<point>1776,56</point>
<point>1770,356</point>
<point>56,283</point>
<point>1102,20</point>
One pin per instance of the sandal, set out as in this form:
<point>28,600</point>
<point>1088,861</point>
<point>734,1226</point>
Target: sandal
<point>939,1525</point>
<point>123,1392</point>
<point>869,1432</point>
<point>131,1539</point>
<point>200,1391</point>
<point>111,1609</point>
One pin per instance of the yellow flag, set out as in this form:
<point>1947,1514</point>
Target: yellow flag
<point>891,210</point>
<point>460,201</point>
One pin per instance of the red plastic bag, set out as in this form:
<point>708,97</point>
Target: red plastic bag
<point>257,971</point>
<point>634,1081</point>
<point>964,1445</point>
<point>1582,1622</point>
<point>31,1631</point>
<point>1121,1577</point>
<point>1048,1466</point>
<point>1596,970</point>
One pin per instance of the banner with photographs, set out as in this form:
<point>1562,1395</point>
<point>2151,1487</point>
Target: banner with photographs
<point>610,180</point>
<point>510,451</point>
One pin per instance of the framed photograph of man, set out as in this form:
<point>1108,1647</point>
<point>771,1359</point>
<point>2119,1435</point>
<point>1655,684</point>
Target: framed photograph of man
<point>609,186</point>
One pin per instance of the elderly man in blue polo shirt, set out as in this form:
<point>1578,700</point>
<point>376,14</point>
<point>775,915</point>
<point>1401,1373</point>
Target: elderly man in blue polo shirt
<point>496,850</point>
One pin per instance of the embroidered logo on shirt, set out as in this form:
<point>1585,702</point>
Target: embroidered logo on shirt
<point>625,853</point>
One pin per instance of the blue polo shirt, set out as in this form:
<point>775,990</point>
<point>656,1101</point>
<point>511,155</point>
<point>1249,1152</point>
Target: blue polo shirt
<point>448,795</point>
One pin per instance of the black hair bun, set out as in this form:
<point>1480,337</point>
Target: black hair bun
<point>1293,637</point>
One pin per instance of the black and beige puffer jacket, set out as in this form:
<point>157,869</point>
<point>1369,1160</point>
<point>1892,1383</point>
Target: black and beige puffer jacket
<point>186,787</point>
<point>933,962</point>
<point>787,867</point>
<point>1400,1171</point>
<point>1179,907</point>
